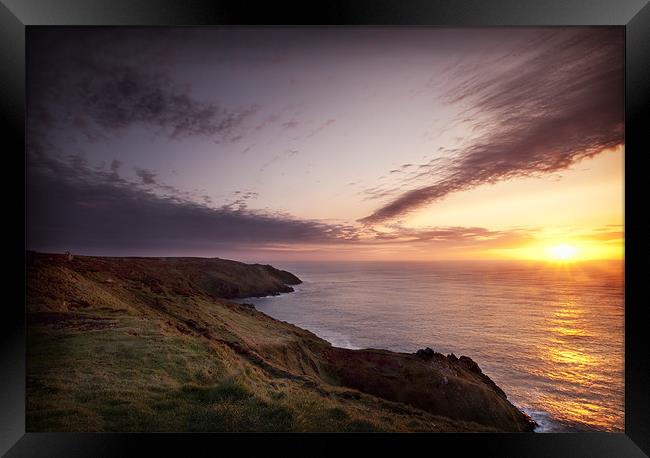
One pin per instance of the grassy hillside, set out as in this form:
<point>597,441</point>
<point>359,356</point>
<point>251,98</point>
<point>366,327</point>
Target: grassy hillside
<point>153,344</point>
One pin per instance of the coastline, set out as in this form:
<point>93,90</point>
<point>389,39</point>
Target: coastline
<point>550,338</point>
<point>415,392</point>
<point>543,421</point>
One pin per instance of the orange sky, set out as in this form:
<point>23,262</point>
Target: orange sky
<point>526,218</point>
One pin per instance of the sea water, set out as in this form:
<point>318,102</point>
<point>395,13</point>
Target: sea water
<point>550,334</point>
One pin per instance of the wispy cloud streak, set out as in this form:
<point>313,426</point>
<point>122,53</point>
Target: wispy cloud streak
<point>537,110</point>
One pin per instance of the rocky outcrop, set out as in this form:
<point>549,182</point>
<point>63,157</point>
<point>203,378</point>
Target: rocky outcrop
<point>445,386</point>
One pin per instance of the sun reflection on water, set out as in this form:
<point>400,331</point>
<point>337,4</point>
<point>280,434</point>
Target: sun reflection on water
<point>550,334</point>
<point>568,362</point>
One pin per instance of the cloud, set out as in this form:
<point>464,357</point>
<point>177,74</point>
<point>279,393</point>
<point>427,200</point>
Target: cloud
<point>147,176</point>
<point>537,110</point>
<point>115,165</point>
<point>322,126</point>
<point>454,236</point>
<point>290,124</point>
<point>72,207</point>
<point>605,234</point>
<point>98,85</point>
<point>268,120</point>
<point>241,201</point>
<point>279,157</point>
<point>119,97</point>
<point>114,176</point>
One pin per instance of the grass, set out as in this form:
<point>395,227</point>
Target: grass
<point>141,359</point>
<point>109,380</point>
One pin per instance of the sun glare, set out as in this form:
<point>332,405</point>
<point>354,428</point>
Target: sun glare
<point>563,252</point>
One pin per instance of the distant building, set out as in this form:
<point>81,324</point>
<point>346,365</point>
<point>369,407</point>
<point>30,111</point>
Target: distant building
<point>68,256</point>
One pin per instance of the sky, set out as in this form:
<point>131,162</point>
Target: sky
<point>265,144</point>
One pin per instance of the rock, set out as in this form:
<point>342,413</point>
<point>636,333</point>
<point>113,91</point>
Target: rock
<point>469,364</point>
<point>426,353</point>
<point>430,382</point>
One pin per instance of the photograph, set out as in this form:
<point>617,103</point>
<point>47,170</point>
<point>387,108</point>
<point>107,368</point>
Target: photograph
<point>325,229</point>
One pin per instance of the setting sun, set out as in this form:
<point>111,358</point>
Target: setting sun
<point>563,252</point>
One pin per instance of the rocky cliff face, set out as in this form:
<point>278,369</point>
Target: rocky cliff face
<point>444,385</point>
<point>154,344</point>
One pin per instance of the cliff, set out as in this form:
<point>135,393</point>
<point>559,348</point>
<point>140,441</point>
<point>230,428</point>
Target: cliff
<point>154,344</point>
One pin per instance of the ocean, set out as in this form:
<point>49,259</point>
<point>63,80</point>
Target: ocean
<point>550,335</point>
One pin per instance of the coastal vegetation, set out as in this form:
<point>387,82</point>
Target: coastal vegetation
<point>156,344</point>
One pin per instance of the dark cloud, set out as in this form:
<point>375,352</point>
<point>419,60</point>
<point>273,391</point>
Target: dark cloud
<point>147,176</point>
<point>71,207</point>
<point>95,83</point>
<point>114,176</point>
<point>241,201</point>
<point>115,165</point>
<point>119,97</point>
<point>537,110</point>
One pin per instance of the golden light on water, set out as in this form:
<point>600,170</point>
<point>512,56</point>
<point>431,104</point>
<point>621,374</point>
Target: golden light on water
<point>569,361</point>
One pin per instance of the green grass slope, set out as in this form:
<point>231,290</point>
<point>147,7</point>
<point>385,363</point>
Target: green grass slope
<point>153,344</point>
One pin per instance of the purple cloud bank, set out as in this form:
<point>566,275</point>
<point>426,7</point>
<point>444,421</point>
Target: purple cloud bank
<point>111,213</point>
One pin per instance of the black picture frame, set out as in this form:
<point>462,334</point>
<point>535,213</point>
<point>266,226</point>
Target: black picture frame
<point>634,15</point>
